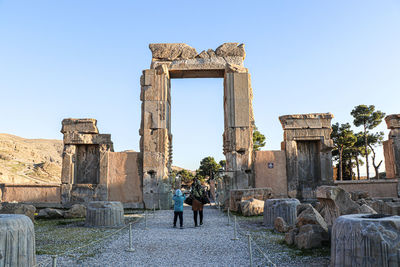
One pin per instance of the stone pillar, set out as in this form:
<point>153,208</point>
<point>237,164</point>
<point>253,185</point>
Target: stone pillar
<point>105,214</point>
<point>84,161</point>
<point>17,241</point>
<point>308,146</point>
<point>238,133</point>
<point>284,208</point>
<point>156,137</point>
<point>391,147</point>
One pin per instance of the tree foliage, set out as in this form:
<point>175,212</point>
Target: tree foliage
<point>208,167</point>
<point>343,139</point>
<point>186,176</point>
<point>368,118</point>
<point>258,139</point>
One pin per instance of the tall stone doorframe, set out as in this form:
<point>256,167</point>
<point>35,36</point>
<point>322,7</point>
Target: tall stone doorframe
<point>172,61</point>
<point>308,147</point>
<point>85,162</point>
<point>391,147</point>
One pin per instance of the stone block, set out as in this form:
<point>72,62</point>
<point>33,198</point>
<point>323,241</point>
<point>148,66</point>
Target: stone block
<point>17,241</point>
<point>156,114</point>
<point>172,51</point>
<point>252,207</point>
<point>311,236</point>
<point>393,121</point>
<point>237,100</point>
<point>81,193</point>
<point>84,126</point>
<point>73,138</point>
<point>236,196</point>
<point>49,213</point>
<point>238,139</point>
<point>311,216</point>
<point>306,121</point>
<point>67,170</point>
<point>362,240</point>
<point>104,214</point>
<point>76,211</point>
<point>280,225</point>
<point>231,49</point>
<point>284,208</point>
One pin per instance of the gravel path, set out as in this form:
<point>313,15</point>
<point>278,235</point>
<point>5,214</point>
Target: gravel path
<point>162,245</point>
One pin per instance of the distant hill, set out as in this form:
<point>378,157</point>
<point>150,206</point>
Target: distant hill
<point>29,161</point>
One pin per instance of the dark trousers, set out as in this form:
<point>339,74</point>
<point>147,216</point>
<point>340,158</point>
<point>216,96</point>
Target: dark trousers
<point>180,214</point>
<point>195,216</point>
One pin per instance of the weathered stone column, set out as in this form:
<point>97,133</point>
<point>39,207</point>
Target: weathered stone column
<point>17,241</point>
<point>308,146</point>
<point>84,161</point>
<point>365,240</point>
<point>391,147</point>
<point>238,134</point>
<point>156,138</point>
<point>284,208</point>
<point>105,214</point>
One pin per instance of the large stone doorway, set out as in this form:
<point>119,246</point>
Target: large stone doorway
<point>174,61</point>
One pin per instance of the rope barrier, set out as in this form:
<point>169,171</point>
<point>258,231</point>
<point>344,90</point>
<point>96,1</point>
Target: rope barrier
<point>51,260</point>
<point>238,229</point>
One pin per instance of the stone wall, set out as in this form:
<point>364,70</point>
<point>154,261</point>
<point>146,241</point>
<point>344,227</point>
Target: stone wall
<point>391,147</point>
<point>30,193</point>
<point>308,146</point>
<point>84,161</point>
<point>123,181</point>
<point>270,171</point>
<point>375,188</point>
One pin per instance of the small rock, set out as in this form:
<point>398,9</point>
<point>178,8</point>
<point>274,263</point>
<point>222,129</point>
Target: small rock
<point>357,195</point>
<point>311,216</point>
<point>49,213</point>
<point>76,211</point>
<point>311,236</point>
<point>289,236</point>
<point>280,225</point>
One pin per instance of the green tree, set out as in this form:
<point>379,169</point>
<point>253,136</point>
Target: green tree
<point>368,118</point>
<point>186,176</point>
<point>222,163</point>
<point>208,167</point>
<point>258,139</point>
<point>375,140</point>
<point>343,139</point>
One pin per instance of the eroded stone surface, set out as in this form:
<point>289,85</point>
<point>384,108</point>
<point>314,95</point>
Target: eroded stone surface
<point>311,236</point>
<point>311,216</point>
<point>334,201</point>
<point>280,225</point>
<point>85,126</point>
<point>284,208</point>
<point>252,207</point>
<point>391,147</point>
<point>18,208</point>
<point>17,241</point>
<point>104,214</point>
<point>358,241</point>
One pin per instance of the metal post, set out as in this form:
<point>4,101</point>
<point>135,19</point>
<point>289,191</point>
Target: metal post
<point>154,210</point>
<point>130,249</point>
<point>219,207</point>
<point>54,261</point>
<point>229,218</point>
<point>159,204</point>
<point>250,250</point>
<point>234,230</point>
<point>145,220</point>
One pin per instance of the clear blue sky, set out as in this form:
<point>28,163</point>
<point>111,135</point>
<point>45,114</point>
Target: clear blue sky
<point>62,59</point>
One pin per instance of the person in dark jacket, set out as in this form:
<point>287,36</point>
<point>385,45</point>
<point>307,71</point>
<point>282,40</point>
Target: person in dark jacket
<point>178,198</point>
<point>197,192</point>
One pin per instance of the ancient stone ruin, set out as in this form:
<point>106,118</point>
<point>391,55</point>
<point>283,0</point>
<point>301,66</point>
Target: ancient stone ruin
<point>85,161</point>
<point>285,208</point>
<point>391,147</point>
<point>172,61</point>
<point>308,147</point>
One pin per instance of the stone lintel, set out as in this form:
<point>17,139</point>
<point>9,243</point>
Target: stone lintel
<point>73,138</point>
<point>393,121</point>
<point>306,121</point>
<point>88,126</point>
